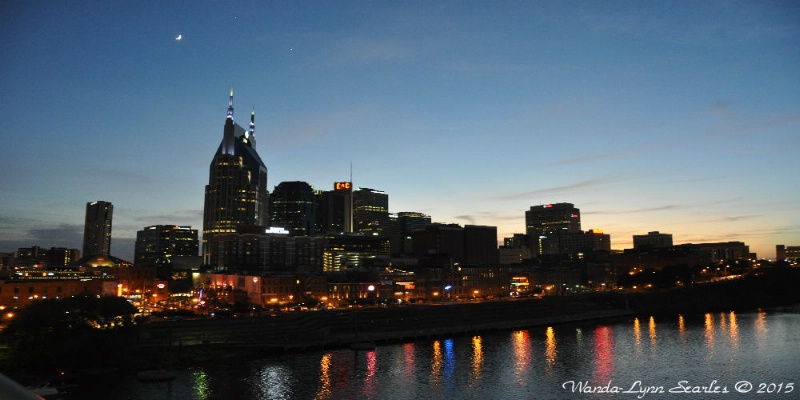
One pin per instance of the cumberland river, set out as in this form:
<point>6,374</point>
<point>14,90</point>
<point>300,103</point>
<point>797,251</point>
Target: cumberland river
<point>726,355</point>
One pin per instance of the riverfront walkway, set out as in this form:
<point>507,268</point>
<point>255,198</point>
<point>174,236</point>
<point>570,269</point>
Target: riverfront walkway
<point>333,328</point>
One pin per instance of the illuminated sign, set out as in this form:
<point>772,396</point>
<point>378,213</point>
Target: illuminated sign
<point>342,186</point>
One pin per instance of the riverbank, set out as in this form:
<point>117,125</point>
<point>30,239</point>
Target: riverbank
<point>759,289</point>
<point>188,340</point>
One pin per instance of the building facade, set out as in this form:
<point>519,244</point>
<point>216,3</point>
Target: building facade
<point>544,223</point>
<point>335,209</point>
<point>653,240</point>
<point>407,222</point>
<point>294,208</point>
<point>236,195</point>
<point>370,211</point>
<point>164,242</point>
<point>97,229</point>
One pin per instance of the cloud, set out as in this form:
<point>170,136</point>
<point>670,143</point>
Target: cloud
<point>64,235</point>
<point>177,215</point>
<point>558,190</point>
<point>668,207</point>
<point>731,219</point>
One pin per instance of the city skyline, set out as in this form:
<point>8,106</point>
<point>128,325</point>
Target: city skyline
<point>681,118</point>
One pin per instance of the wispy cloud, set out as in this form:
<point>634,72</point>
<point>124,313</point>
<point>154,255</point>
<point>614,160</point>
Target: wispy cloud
<point>668,207</point>
<point>63,235</point>
<point>177,215</point>
<point>558,190</point>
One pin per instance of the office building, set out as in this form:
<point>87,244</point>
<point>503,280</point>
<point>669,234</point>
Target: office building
<point>544,223</point>
<point>783,252</point>
<point>407,222</point>
<point>579,245</point>
<point>480,245</point>
<point>97,229</point>
<point>335,209</point>
<point>653,240</point>
<point>439,243</point>
<point>236,195</point>
<point>370,211</point>
<point>160,243</point>
<point>294,208</point>
<point>62,256</point>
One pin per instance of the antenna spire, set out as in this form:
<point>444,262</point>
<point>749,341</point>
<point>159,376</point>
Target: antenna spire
<point>253,122</point>
<point>230,105</point>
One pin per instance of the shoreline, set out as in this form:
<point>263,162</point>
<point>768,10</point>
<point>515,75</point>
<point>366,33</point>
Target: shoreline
<point>302,331</point>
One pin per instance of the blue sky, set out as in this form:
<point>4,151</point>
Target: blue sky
<point>681,117</point>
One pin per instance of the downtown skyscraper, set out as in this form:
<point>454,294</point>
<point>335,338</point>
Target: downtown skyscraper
<point>97,229</point>
<point>236,195</point>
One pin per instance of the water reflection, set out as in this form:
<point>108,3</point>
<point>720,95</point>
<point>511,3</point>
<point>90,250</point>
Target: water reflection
<point>503,365</point>
<point>408,360</point>
<point>652,330</point>
<point>760,324</point>
<point>734,330</point>
<point>477,359</point>
<point>202,389</point>
<point>709,331</point>
<point>521,342</point>
<point>449,360</point>
<point>274,382</point>
<point>372,362</point>
<point>550,347</point>
<point>637,333</point>
<point>324,377</point>
<point>436,362</point>
<point>603,355</point>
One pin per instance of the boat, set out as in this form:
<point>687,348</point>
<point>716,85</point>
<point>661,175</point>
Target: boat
<point>157,375</point>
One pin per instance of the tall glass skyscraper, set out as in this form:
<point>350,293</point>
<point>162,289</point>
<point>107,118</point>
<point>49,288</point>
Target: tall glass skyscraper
<point>97,229</point>
<point>236,194</point>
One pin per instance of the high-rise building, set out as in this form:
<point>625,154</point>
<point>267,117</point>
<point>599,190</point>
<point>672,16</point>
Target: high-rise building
<point>294,208</point>
<point>582,244</point>
<point>439,241</point>
<point>480,245</point>
<point>335,209</point>
<point>653,240</point>
<point>236,195</point>
<point>545,222</point>
<point>370,211</point>
<point>163,242</point>
<point>97,229</point>
<point>407,222</point>
<point>61,256</point>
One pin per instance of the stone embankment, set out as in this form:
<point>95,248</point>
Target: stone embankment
<point>334,328</point>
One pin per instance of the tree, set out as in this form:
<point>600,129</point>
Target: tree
<point>66,334</point>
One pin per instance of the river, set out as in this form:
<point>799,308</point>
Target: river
<point>726,355</point>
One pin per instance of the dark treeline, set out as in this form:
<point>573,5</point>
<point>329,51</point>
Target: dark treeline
<point>51,337</point>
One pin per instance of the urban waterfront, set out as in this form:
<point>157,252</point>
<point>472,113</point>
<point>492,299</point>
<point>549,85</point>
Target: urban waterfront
<point>716,355</point>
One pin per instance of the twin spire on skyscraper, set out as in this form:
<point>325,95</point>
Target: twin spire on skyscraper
<point>230,137</point>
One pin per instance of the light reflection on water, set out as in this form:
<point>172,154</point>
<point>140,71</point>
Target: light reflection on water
<point>507,364</point>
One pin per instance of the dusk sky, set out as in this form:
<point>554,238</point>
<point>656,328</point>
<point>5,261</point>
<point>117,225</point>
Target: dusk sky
<point>676,116</point>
